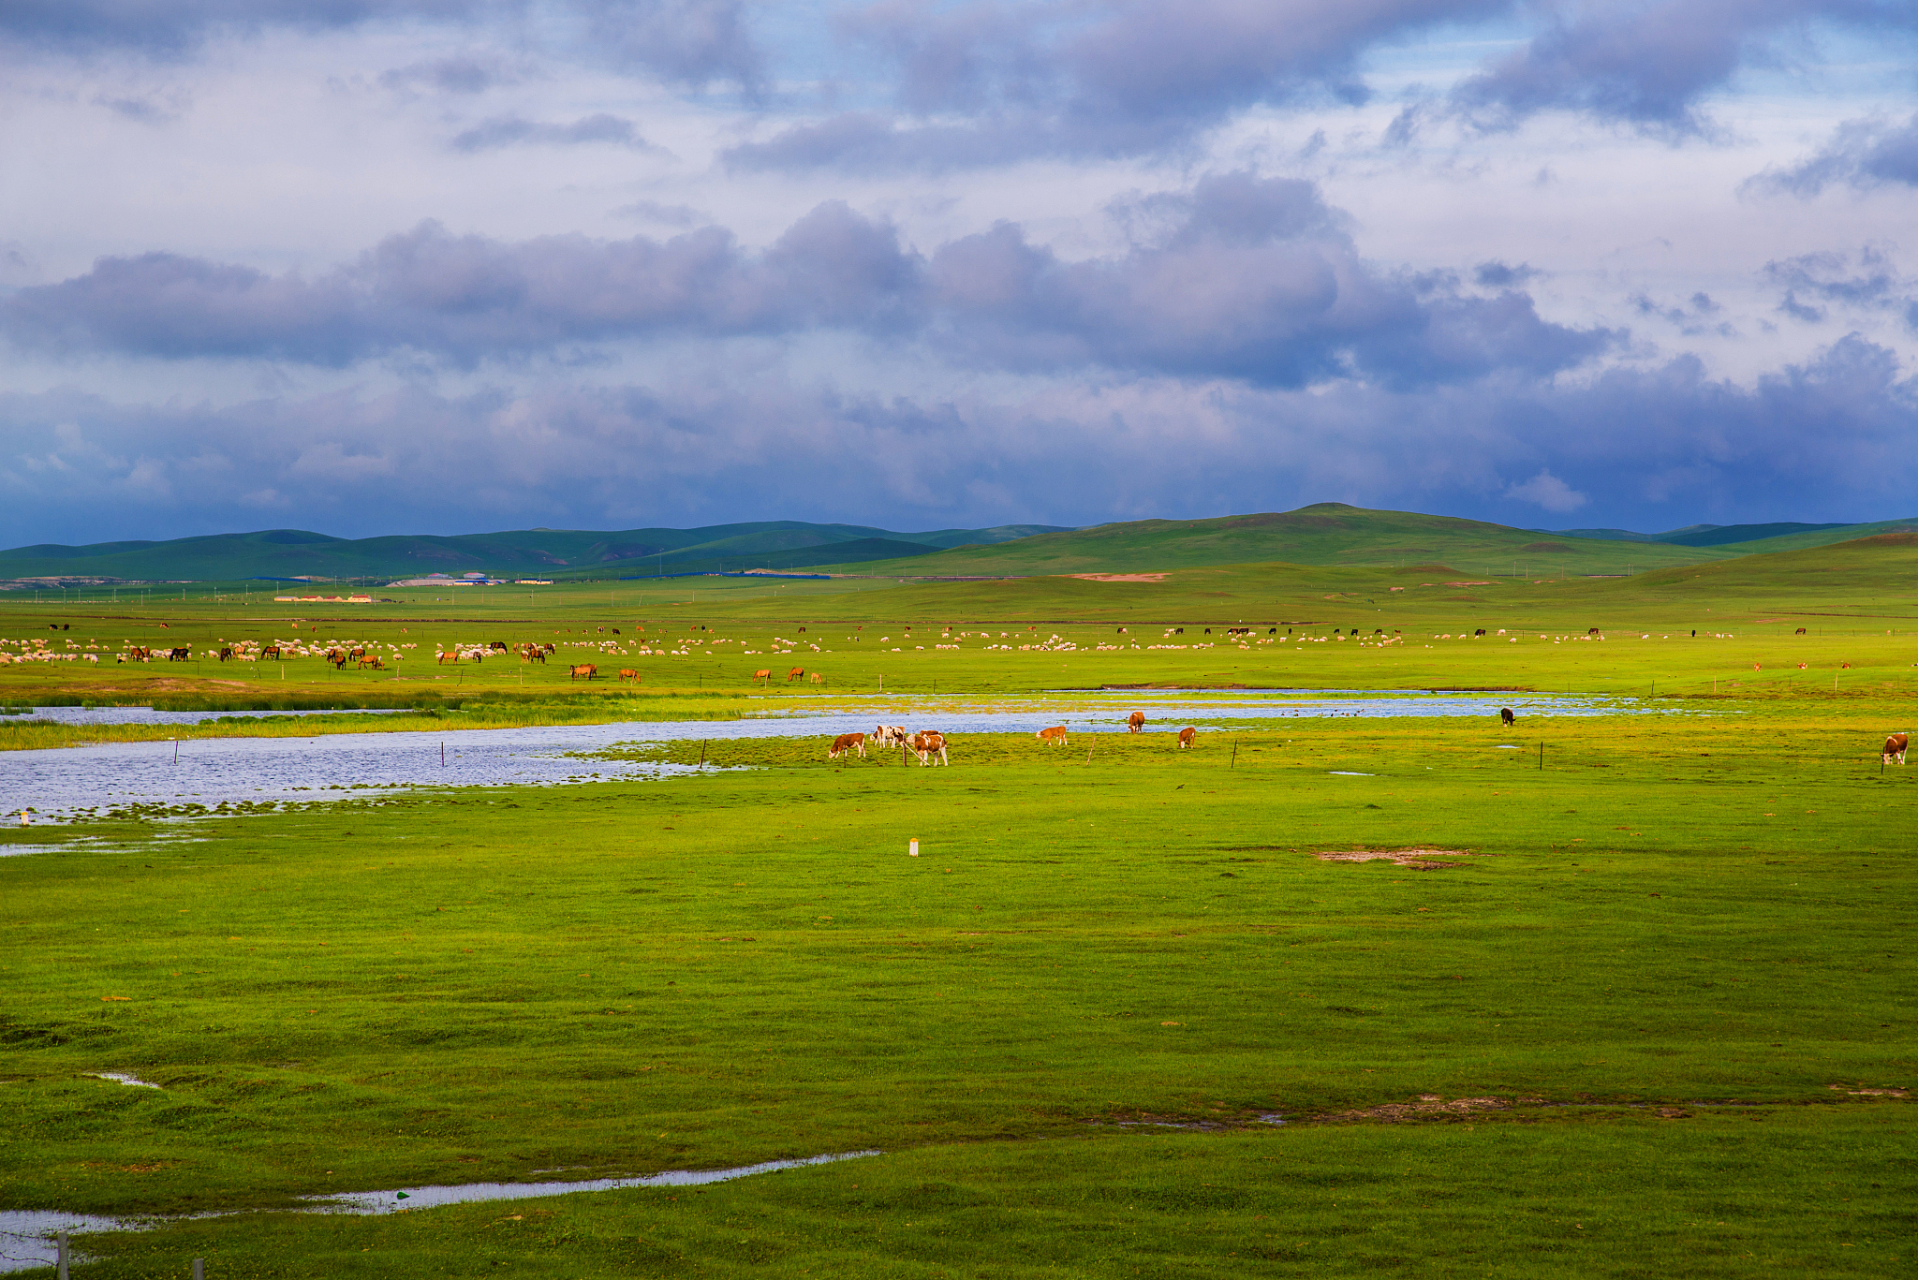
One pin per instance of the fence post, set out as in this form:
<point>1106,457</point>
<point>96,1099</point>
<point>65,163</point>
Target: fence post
<point>63,1255</point>
<point>199,1269</point>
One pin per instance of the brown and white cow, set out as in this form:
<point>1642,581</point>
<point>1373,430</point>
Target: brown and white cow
<point>1135,722</point>
<point>1895,748</point>
<point>847,742</point>
<point>1186,737</point>
<point>1053,737</point>
<point>888,735</point>
<point>927,745</point>
<point>584,671</point>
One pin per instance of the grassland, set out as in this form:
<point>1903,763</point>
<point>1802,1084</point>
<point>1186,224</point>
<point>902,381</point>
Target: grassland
<point>1652,1018</point>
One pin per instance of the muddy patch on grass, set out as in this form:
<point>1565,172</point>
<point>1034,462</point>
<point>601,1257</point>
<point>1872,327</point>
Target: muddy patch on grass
<point>1414,859</point>
<point>1428,1106</point>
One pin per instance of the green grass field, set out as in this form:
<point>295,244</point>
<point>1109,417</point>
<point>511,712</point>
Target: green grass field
<point>1652,1018</point>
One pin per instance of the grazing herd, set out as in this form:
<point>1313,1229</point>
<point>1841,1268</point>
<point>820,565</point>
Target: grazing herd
<point>930,745</point>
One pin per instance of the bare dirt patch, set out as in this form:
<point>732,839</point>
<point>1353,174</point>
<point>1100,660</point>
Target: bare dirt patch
<point>1870,1093</point>
<point>1429,1105</point>
<point>1415,859</point>
<point>1120,577</point>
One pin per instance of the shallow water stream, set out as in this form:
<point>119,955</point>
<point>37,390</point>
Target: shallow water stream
<point>194,775</point>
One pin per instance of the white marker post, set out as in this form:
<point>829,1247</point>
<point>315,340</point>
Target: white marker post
<point>912,848</point>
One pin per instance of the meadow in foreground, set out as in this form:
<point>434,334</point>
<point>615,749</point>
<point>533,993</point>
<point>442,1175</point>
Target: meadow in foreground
<point>1678,912</point>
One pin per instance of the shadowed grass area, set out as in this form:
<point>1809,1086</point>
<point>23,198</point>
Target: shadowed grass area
<point>1797,1191</point>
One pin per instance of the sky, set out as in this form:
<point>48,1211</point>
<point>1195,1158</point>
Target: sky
<point>449,266</point>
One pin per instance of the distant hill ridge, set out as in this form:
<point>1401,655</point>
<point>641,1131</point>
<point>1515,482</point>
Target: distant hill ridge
<point>1327,534</point>
<point>299,553</point>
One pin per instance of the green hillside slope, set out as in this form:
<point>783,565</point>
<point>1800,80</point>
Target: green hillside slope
<point>1328,533</point>
<point>294,553</point>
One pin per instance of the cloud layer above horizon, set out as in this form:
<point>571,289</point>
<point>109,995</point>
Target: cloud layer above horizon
<point>375,266</point>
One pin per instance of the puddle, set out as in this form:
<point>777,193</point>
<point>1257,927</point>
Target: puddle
<point>27,1236</point>
<point>407,1198</point>
<point>121,1077</point>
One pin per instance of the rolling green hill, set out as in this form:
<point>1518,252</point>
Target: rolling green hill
<point>295,553</point>
<point>1328,533</point>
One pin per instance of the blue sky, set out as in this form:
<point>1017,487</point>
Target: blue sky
<point>457,265</point>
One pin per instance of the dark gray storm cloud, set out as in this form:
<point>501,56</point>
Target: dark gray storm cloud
<point>517,131</point>
<point>1242,277</point>
<point>1833,438</point>
<point>1861,153</point>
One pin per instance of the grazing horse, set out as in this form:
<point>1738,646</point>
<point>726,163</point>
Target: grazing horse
<point>271,651</point>
<point>141,655</point>
<point>450,655</point>
<point>794,674</point>
<point>1592,632</point>
<point>1895,748</point>
<point>498,646</point>
<point>847,742</point>
<point>1799,632</point>
<point>180,654</point>
<point>817,678</point>
<point>764,673</point>
<point>628,673</point>
<point>1186,737</point>
<point>375,662</point>
<point>583,671</point>
<point>927,745</point>
<point>1505,715</point>
<point>1053,737</point>
<point>1135,722</point>
<point>226,655</point>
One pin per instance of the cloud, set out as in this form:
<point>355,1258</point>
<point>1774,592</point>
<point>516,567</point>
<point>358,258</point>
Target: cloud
<point>174,26</point>
<point>1243,277</point>
<point>1498,275</point>
<point>464,73</point>
<point>516,131</point>
<point>1548,491</point>
<point>1649,62</point>
<point>1867,283</point>
<point>1862,153</point>
<point>1831,439</point>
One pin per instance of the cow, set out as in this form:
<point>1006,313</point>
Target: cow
<point>1505,715</point>
<point>1135,722</point>
<point>847,742</point>
<point>764,673</point>
<point>628,673</point>
<point>583,671</point>
<point>888,735</point>
<point>181,654</point>
<point>927,745</point>
<point>794,674</point>
<point>375,662</point>
<point>1053,737</point>
<point>1186,737</point>
<point>1895,748</point>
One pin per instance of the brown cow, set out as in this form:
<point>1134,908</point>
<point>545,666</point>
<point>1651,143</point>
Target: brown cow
<point>628,673</point>
<point>1186,737</point>
<point>1053,737</point>
<point>584,671</point>
<point>927,745</point>
<point>764,673</point>
<point>1135,722</point>
<point>848,742</point>
<point>794,674</point>
<point>1895,748</point>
